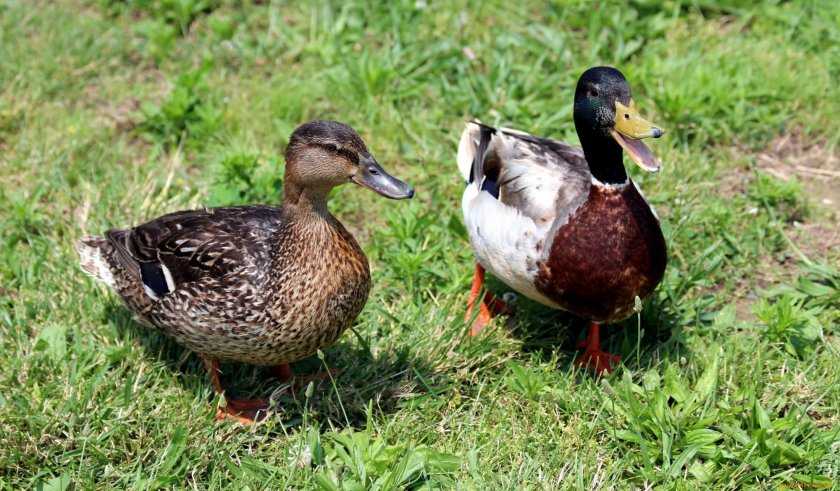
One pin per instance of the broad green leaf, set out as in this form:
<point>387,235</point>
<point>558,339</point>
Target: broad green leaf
<point>682,460</point>
<point>629,436</point>
<point>760,418</point>
<point>790,453</point>
<point>702,471</point>
<point>441,462</point>
<point>760,465</point>
<point>707,383</point>
<point>59,483</point>
<point>735,433</point>
<point>675,386</point>
<point>325,482</point>
<point>53,341</point>
<point>650,380</point>
<point>814,482</point>
<point>702,437</point>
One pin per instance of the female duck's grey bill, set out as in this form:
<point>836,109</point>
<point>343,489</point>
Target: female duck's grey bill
<point>372,175</point>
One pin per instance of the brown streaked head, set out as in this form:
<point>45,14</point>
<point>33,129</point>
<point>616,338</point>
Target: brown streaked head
<point>325,154</point>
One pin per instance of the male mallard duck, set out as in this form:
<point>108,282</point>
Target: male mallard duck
<point>253,284</point>
<point>564,226</point>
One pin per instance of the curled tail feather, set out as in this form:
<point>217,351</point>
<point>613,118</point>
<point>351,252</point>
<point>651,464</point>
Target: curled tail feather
<point>472,150</point>
<point>485,182</point>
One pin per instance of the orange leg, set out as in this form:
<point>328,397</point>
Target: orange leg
<point>245,411</point>
<point>593,357</point>
<point>283,372</point>
<point>488,306</point>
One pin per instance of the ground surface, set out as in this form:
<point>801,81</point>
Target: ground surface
<point>111,113</point>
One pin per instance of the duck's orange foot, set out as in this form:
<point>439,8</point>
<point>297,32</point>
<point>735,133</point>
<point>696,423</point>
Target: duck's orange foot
<point>489,305</point>
<point>282,372</point>
<point>599,361</point>
<point>244,411</point>
<point>593,357</point>
<point>496,305</point>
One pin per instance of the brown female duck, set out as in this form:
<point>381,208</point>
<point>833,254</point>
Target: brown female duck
<point>566,226</point>
<point>253,284</point>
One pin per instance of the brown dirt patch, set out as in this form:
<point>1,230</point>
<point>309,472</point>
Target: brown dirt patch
<point>121,115</point>
<point>816,166</point>
<point>819,240</point>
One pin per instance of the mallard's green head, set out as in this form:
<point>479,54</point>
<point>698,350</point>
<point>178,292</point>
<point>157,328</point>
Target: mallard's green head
<point>604,110</point>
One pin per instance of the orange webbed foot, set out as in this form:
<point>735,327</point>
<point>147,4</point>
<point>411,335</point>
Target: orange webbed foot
<point>243,411</point>
<point>599,361</point>
<point>593,357</point>
<point>496,305</point>
<point>489,305</point>
<point>282,372</point>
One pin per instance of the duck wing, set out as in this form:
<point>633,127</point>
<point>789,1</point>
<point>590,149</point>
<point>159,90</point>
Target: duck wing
<point>186,246</point>
<point>543,179</point>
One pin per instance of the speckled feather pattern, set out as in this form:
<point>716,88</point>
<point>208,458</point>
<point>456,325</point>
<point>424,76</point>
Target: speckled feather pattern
<point>253,284</point>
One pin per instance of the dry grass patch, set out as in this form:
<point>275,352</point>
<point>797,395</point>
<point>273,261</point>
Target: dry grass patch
<point>815,164</point>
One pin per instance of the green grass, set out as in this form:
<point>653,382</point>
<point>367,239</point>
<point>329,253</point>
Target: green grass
<point>114,112</point>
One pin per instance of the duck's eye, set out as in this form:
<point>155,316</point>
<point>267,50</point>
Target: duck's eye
<point>626,116</point>
<point>593,93</point>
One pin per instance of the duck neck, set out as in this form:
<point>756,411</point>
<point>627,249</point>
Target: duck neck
<point>604,157</point>
<point>306,200</point>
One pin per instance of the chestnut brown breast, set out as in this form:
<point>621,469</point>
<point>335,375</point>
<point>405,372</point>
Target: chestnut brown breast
<point>611,251</point>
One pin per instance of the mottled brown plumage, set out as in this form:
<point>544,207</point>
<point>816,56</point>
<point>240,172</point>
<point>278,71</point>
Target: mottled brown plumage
<point>253,284</point>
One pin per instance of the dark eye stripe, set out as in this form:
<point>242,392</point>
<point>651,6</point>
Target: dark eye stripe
<point>349,154</point>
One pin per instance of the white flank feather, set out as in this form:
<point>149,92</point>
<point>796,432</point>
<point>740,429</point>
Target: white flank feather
<point>505,241</point>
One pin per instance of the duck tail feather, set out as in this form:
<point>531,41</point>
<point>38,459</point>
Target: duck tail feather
<point>485,136</point>
<point>92,258</point>
<point>119,241</point>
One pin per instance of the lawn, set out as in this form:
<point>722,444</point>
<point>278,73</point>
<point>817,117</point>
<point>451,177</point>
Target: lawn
<point>115,112</point>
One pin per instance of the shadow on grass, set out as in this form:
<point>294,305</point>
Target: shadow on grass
<point>642,341</point>
<point>356,378</point>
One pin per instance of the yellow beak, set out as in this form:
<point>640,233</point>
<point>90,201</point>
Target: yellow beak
<point>629,129</point>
